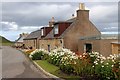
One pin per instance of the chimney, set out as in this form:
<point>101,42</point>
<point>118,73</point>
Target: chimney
<point>82,14</point>
<point>24,35</point>
<point>81,6</point>
<point>51,22</point>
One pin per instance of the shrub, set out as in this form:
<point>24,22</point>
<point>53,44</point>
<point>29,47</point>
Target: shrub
<point>56,55</point>
<point>66,64</point>
<point>39,54</point>
<point>83,65</point>
<point>105,67</point>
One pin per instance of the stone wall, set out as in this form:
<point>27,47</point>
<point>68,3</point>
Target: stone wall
<point>104,46</point>
<point>31,43</point>
<point>81,27</point>
<point>54,43</point>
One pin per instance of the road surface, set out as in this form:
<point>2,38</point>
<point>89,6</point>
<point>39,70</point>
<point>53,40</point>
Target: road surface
<point>16,65</point>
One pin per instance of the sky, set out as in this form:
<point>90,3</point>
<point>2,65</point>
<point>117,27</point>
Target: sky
<point>24,16</point>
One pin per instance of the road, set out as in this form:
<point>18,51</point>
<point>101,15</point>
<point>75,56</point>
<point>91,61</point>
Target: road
<point>16,65</point>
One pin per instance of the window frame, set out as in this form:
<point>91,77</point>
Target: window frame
<point>56,29</point>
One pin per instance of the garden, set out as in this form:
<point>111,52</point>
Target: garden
<point>88,66</point>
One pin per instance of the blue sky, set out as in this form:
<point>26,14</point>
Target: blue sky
<point>18,17</point>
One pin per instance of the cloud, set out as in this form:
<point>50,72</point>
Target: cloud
<point>60,0</point>
<point>105,16</point>
<point>13,26</point>
<point>36,14</point>
<point>30,16</point>
<point>6,26</point>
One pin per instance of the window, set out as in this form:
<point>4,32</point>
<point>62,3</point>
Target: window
<point>42,32</point>
<point>56,29</point>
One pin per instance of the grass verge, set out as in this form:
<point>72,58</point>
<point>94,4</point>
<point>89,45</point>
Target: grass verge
<point>55,70</point>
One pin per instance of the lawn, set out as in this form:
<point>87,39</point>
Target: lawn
<point>55,70</point>
<point>5,42</point>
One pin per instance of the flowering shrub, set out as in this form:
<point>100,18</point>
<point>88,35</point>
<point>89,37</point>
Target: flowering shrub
<point>62,58</point>
<point>105,67</point>
<point>86,65</point>
<point>94,64</point>
<point>66,63</point>
<point>82,65</point>
<point>56,55</point>
<point>39,54</point>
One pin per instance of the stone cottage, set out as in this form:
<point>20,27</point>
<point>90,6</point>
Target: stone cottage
<point>67,33</point>
<point>31,41</point>
<point>78,34</point>
<point>19,42</point>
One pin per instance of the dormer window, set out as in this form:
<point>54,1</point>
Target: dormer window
<point>42,32</point>
<point>56,29</point>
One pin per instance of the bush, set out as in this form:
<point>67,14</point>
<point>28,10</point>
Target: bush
<point>39,54</point>
<point>83,65</point>
<point>66,64</point>
<point>88,66</point>
<point>56,55</point>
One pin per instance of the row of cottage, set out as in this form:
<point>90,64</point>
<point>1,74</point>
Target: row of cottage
<point>78,34</point>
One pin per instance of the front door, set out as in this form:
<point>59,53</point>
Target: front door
<point>88,48</point>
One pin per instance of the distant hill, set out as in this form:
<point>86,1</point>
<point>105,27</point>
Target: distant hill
<point>4,41</point>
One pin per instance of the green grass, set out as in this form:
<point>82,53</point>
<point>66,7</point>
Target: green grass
<point>5,42</point>
<point>55,70</point>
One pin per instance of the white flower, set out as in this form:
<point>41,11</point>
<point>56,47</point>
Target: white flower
<point>107,63</point>
<point>112,66</point>
<point>102,66</point>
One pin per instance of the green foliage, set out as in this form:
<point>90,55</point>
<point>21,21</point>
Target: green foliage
<point>88,66</point>
<point>37,56</point>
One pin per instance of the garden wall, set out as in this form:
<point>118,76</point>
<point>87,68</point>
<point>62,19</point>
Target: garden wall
<point>102,46</point>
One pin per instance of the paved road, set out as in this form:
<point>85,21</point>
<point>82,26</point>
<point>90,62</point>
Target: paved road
<point>16,65</point>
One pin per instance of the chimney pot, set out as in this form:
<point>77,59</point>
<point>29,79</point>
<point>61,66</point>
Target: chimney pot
<point>81,6</point>
<point>51,22</point>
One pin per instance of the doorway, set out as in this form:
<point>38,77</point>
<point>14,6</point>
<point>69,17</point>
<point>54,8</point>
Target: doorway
<point>49,48</point>
<point>88,48</point>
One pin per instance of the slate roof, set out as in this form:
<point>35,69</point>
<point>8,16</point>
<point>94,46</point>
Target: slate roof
<point>34,35</point>
<point>71,20</point>
<point>20,39</point>
<point>51,34</point>
<point>102,36</point>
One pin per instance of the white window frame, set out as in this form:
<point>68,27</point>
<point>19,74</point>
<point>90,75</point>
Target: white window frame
<point>56,29</point>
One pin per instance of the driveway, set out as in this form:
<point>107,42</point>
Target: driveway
<point>16,65</point>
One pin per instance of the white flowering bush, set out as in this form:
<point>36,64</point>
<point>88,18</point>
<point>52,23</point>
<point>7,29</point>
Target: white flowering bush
<point>89,65</point>
<point>94,64</point>
<point>63,58</point>
<point>39,54</point>
<point>56,55</point>
<point>105,67</point>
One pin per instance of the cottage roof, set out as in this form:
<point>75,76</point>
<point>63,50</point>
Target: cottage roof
<point>51,34</point>
<point>115,42</point>
<point>20,39</point>
<point>102,36</point>
<point>34,35</point>
<point>71,20</point>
